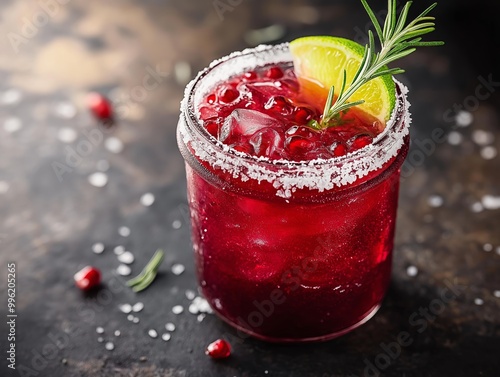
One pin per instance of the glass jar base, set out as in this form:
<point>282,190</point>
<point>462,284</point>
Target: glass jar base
<point>369,314</point>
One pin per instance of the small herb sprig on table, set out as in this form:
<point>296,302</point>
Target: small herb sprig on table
<point>148,274</point>
<point>397,40</point>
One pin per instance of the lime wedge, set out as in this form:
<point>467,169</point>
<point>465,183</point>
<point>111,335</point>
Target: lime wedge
<point>320,61</point>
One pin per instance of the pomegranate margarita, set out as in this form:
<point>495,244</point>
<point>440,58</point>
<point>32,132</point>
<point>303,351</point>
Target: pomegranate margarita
<point>293,216</point>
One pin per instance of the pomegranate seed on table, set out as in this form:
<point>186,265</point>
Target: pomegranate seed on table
<point>100,106</point>
<point>220,349</point>
<point>88,278</point>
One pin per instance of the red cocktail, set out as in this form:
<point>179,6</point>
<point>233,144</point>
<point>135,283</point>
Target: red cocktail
<point>292,227</point>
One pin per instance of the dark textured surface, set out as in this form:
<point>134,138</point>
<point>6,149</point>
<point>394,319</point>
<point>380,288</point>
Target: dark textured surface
<point>48,227</point>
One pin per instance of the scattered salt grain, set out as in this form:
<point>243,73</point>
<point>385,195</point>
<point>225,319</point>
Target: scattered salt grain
<point>200,317</point>
<point>98,248</point>
<point>109,346</point>
<point>99,330</point>
<point>178,269</point>
<point>117,333</point>
<point>147,199</point>
<point>138,307</point>
<point>123,270</point>
<point>477,207</point>
<point>166,337</point>
<point>100,339</point>
<point>199,305</point>
<point>496,294</point>
<point>483,138</point>
<point>12,125</point>
<point>190,294</point>
<point>464,118</point>
<point>153,334</point>
<point>478,301</point>
<point>177,309</point>
<point>98,179</point>
<point>487,247</point>
<point>182,72</point>
<point>126,257</point>
<point>170,327</point>
<point>176,224</point>
<point>412,271</point>
<point>113,144</point>
<point>435,201</point>
<point>4,187</point>
<point>10,97</point>
<point>126,308</point>
<point>124,231</point>
<point>455,138</point>
<point>118,250</point>
<point>491,202</point>
<point>489,153</point>
<point>135,320</point>
<point>67,135</point>
<point>65,110</point>
<point>498,250</point>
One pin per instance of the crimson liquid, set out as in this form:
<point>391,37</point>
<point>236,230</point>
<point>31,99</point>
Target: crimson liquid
<point>292,227</point>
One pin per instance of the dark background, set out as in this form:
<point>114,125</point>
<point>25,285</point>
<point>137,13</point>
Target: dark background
<point>48,227</point>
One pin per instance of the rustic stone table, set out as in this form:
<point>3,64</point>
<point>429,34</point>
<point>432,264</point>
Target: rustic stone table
<point>141,53</point>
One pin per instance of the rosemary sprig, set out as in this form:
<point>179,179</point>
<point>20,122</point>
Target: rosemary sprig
<point>396,41</point>
<point>148,274</point>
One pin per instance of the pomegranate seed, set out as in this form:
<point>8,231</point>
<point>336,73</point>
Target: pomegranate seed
<point>87,278</point>
<point>228,95</point>
<point>220,349</point>
<point>302,115</point>
<point>100,106</point>
<point>211,99</point>
<point>361,142</point>
<point>278,104</point>
<point>251,75</point>
<point>212,127</point>
<point>245,148</point>
<point>274,73</point>
<point>298,145</point>
<point>339,150</point>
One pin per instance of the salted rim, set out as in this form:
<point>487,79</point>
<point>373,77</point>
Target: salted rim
<point>288,176</point>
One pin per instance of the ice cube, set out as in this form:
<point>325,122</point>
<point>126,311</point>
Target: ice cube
<point>244,123</point>
<point>268,142</point>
